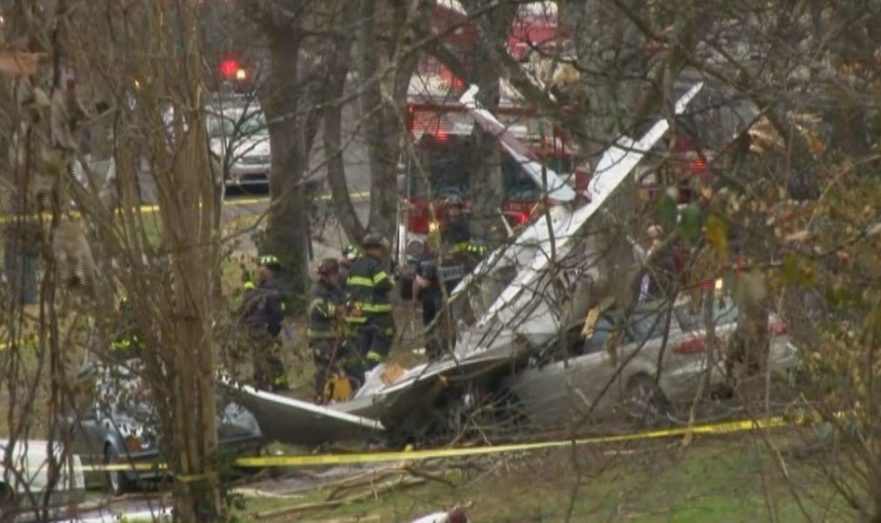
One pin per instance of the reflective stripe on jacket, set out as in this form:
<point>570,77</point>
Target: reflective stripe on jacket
<point>368,286</point>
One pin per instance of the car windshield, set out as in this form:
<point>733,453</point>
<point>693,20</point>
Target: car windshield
<point>232,124</point>
<point>648,324</point>
<point>691,318</point>
<point>601,332</point>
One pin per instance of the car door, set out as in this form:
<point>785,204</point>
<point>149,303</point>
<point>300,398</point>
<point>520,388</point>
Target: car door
<point>690,356</point>
<point>592,381</point>
<point>85,417</point>
<point>560,388</point>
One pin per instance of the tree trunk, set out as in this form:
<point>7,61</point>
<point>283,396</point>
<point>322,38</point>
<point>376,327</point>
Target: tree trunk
<point>382,22</point>
<point>286,231</point>
<point>338,68</point>
<point>487,182</point>
<point>186,203</point>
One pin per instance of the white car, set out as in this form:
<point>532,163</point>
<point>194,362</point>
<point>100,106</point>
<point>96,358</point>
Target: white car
<point>239,141</point>
<point>23,486</point>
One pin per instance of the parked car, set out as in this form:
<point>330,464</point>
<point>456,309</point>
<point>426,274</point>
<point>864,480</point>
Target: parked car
<point>118,425</point>
<point>239,135</point>
<point>641,381</point>
<point>23,485</point>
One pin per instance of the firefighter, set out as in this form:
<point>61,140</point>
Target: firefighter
<point>455,234</point>
<point>261,316</point>
<point>326,324</point>
<point>127,344</point>
<point>427,285</point>
<point>350,255</point>
<point>428,290</point>
<point>368,287</point>
<point>249,283</point>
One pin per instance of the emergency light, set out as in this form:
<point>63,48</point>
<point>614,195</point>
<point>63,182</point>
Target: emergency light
<point>230,67</point>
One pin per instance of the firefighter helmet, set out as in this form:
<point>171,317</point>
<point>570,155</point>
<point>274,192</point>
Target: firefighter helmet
<point>270,261</point>
<point>351,252</point>
<point>374,240</point>
<point>454,201</point>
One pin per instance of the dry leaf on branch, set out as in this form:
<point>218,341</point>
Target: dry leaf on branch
<point>18,63</point>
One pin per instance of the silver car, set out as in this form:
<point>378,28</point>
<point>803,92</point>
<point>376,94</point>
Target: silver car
<point>587,383</point>
<point>239,140</point>
<point>117,424</point>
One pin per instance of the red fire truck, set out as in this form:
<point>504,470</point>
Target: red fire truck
<point>446,156</point>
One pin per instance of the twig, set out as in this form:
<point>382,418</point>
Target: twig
<point>350,484</point>
<point>426,475</point>
<point>350,519</point>
<point>374,492</point>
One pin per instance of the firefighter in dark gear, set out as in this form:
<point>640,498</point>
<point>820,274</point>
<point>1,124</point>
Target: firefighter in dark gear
<point>350,255</point>
<point>261,315</point>
<point>327,323</point>
<point>456,236</point>
<point>435,279</point>
<point>249,283</point>
<point>427,284</point>
<point>370,312</point>
<point>455,233</point>
<point>127,344</point>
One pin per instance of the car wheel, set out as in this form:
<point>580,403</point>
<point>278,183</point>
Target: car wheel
<point>117,481</point>
<point>646,405</point>
<point>7,498</point>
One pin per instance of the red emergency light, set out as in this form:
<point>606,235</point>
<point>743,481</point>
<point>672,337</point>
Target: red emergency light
<point>229,67</point>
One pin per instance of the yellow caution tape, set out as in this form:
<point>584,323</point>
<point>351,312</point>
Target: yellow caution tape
<point>149,209</point>
<point>30,341</point>
<point>419,455</point>
<point>312,460</point>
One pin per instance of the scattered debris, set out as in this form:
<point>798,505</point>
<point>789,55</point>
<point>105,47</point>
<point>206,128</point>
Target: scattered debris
<point>372,491</point>
<point>350,519</point>
<point>456,515</point>
<point>257,493</point>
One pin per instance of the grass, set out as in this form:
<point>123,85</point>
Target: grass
<point>720,480</point>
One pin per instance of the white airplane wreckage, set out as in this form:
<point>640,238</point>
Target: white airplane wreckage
<point>506,309</point>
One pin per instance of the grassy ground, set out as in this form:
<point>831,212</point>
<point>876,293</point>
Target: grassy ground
<point>729,479</point>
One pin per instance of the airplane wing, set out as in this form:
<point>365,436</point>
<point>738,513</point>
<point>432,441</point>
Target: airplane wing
<point>299,422</point>
<point>614,167</point>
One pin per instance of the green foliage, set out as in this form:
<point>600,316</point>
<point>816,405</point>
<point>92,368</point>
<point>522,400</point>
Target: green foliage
<point>717,237</point>
<point>667,212</point>
<point>690,222</point>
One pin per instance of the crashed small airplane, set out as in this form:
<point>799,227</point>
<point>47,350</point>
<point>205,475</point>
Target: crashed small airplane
<point>505,309</point>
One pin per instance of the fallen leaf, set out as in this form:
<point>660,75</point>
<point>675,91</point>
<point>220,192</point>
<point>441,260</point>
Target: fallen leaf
<point>799,236</point>
<point>17,63</point>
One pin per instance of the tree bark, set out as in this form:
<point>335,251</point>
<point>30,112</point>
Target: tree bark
<point>186,203</point>
<point>286,231</point>
<point>487,182</point>
<point>338,68</point>
<point>382,102</point>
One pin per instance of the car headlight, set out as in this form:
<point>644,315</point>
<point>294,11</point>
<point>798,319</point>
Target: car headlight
<point>134,444</point>
<point>136,438</point>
